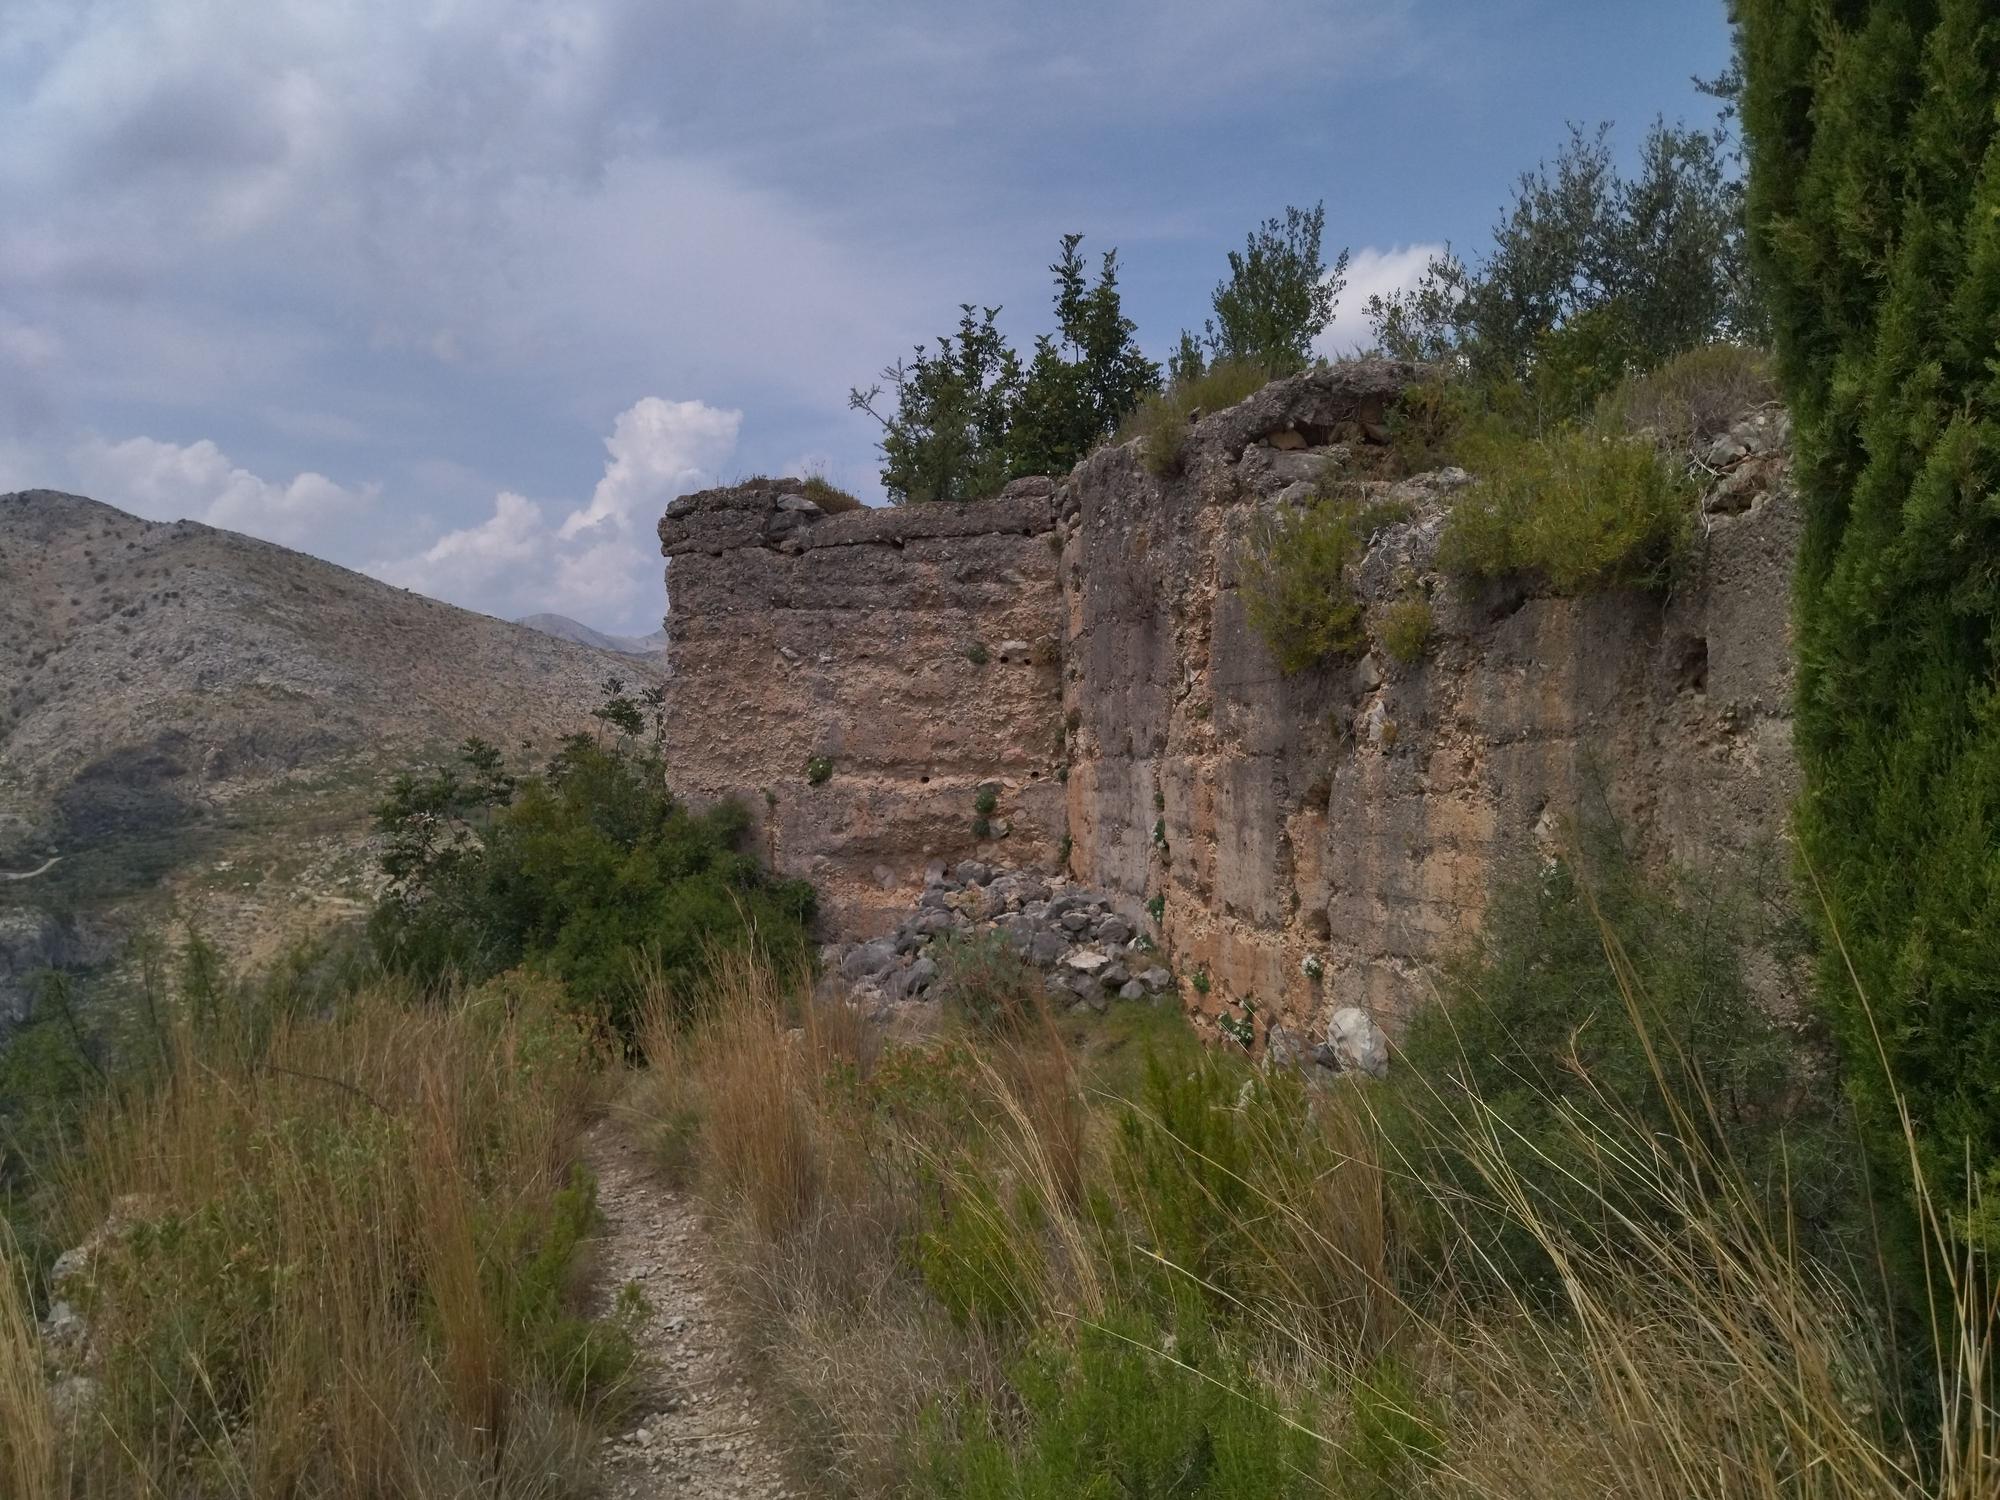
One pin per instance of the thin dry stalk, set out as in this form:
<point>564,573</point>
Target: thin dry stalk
<point>30,1447</point>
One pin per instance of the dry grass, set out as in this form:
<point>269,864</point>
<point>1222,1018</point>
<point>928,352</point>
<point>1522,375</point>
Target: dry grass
<point>338,1259</point>
<point>902,1228</point>
<point>1694,396</point>
<point>1163,419</point>
<point>31,1463</point>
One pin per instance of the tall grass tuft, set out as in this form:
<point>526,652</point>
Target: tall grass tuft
<point>331,1256</point>
<point>30,1450</point>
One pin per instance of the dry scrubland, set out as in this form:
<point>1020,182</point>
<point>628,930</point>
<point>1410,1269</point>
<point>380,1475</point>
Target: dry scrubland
<point>327,1257</point>
<point>1027,1257</point>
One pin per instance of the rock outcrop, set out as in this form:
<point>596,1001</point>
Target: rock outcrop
<point>1307,845</point>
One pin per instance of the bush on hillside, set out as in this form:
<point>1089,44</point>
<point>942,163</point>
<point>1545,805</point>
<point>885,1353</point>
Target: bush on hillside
<point>1598,996</point>
<point>586,871</point>
<point>1694,396</point>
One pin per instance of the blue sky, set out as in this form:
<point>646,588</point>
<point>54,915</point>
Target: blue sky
<point>461,292</point>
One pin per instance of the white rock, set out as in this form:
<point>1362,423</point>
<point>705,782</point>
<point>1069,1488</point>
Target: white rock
<point>1357,1042</point>
<point>1085,961</point>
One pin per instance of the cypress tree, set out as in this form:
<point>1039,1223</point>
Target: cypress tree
<point>1873,206</point>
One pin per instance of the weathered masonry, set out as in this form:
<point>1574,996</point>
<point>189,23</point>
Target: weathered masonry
<point>1081,650</point>
<point>858,680</point>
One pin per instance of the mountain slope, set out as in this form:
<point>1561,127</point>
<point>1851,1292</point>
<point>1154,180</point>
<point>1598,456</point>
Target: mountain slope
<point>575,630</point>
<point>190,712</point>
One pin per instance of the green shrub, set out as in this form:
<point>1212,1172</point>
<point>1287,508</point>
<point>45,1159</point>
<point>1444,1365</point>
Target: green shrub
<point>819,770</point>
<point>1162,420</point>
<point>1535,1025</point>
<point>977,654</point>
<point>983,976</point>
<point>1109,1415</point>
<point>1405,629</point>
<point>588,871</point>
<point>1585,509</point>
<point>1395,1435</point>
<point>1873,199</point>
<point>977,1260</point>
<point>1296,594</point>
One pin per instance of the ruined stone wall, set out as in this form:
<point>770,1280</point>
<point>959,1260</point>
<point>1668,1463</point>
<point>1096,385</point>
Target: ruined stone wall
<point>1358,814</point>
<point>915,650</point>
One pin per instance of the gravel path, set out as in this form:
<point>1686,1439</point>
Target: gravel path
<point>694,1432</point>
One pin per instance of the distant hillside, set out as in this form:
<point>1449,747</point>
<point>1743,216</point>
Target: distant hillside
<point>191,713</point>
<point>575,630</point>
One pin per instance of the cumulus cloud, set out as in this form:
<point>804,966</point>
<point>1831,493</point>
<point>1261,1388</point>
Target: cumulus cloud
<point>197,481</point>
<point>1372,273</point>
<point>657,448</point>
<point>598,563</point>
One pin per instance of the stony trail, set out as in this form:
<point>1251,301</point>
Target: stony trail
<point>695,1431</point>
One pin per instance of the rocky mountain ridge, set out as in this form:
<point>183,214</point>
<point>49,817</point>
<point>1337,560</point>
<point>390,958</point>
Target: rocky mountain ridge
<point>564,628</point>
<point>193,714</point>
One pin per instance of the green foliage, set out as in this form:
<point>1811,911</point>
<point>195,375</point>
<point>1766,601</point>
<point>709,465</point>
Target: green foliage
<point>1295,589</point>
<point>1591,275</point>
<point>987,801</point>
<point>985,977</point>
<point>975,1260</point>
<point>1082,381</point>
<point>1396,1432</point>
<point>1279,296</point>
<point>977,654</point>
<point>1405,629</point>
<point>1156,908</point>
<point>819,770</point>
<point>1162,420</point>
<point>968,417</point>
<point>947,437</point>
<point>1874,205</point>
<point>1531,1022</point>
<point>531,1262</point>
<point>1587,509</point>
<point>584,871</point>
<point>1109,1414</point>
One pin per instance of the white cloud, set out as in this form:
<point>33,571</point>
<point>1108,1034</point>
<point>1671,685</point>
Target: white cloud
<point>1371,273</point>
<point>657,449</point>
<point>599,564</point>
<point>197,481</point>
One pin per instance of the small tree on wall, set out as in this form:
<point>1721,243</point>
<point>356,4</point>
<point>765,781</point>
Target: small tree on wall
<point>1083,379</point>
<point>1280,294</point>
<point>946,438</point>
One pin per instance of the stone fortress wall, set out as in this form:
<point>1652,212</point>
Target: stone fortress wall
<point>1081,648</point>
